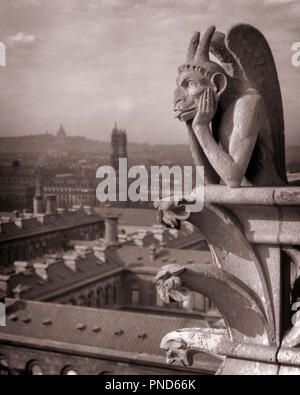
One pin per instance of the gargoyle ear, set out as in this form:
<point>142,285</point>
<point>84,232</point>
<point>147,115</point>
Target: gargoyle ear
<point>219,82</point>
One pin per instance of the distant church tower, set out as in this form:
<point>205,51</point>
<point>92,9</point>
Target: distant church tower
<point>38,196</point>
<point>118,146</point>
<point>61,135</point>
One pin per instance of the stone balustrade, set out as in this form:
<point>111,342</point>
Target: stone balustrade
<point>254,238</point>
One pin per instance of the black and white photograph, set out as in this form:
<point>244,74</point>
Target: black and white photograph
<point>149,190</point>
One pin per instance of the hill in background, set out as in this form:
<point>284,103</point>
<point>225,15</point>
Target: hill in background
<point>42,145</point>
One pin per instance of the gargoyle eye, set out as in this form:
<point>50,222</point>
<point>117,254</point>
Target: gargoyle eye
<point>191,84</point>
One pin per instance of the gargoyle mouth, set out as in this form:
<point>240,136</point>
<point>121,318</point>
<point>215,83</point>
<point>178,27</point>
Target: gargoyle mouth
<point>186,115</point>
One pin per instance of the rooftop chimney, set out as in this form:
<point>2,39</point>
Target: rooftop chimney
<point>4,284</point>
<point>71,261</point>
<point>41,218</point>
<point>100,253</point>
<point>38,205</point>
<point>88,210</point>
<point>6,220</point>
<point>174,233</point>
<point>152,253</point>
<point>19,289</point>
<point>122,237</point>
<point>21,266</point>
<point>138,239</point>
<point>158,232</point>
<point>16,214</point>
<point>111,230</point>
<point>19,222</point>
<point>50,259</point>
<point>28,215</point>
<point>41,270</point>
<point>51,204</point>
<point>82,250</point>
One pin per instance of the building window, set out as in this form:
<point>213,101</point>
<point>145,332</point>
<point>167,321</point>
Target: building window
<point>90,299</point>
<point>34,369</point>
<point>114,294</point>
<point>107,295</point>
<point>99,297</point>
<point>4,370</point>
<point>69,371</point>
<point>135,296</point>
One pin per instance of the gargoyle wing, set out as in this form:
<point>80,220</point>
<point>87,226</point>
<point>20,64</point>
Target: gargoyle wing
<point>253,54</point>
<point>220,51</point>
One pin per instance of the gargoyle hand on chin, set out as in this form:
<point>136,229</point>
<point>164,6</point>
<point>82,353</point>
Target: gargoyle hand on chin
<point>207,107</point>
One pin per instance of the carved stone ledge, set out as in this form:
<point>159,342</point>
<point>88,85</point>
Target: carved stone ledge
<point>262,196</point>
<point>248,231</point>
<point>234,301</point>
<point>183,344</point>
<point>216,341</point>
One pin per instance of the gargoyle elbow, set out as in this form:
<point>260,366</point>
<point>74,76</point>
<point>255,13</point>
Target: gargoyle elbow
<point>234,180</point>
<point>233,184</point>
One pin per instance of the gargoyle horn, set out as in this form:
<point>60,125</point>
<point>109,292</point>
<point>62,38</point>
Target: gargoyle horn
<point>202,53</point>
<point>194,44</point>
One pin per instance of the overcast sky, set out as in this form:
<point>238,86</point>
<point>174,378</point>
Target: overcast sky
<point>88,63</point>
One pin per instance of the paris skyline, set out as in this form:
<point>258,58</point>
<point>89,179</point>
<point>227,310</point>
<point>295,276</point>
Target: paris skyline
<point>88,63</point>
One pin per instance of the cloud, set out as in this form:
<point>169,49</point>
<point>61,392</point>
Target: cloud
<point>20,40</point>
<point>279,2</point>
<point>125,104</point>
<point>25,3</point>
<point>118,59</point>
<point>94,4</point>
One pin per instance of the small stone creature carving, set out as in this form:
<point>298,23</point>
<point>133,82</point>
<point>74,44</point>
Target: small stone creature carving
<point>169,285</point>
<point>177,351</point>
<point>233,112</point>
<point>173,211</point>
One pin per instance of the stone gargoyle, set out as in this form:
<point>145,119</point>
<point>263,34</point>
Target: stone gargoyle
<point>234,116</point>
<point>233,110</point>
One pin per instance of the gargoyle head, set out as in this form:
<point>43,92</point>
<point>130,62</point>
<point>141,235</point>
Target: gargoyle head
<point>178,351</point>
<point>173,211</point>
<point>169,284</point>
<point>197,74</point>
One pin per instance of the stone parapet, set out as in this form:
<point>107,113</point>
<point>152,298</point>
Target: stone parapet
<point>254,238</point>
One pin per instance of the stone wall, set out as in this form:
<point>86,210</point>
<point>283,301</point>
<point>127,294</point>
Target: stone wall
<point>23,361</point>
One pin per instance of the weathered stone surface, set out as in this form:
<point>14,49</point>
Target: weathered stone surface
<point>246,284</point>
<point>245,143</point>
<point>235,125</point>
